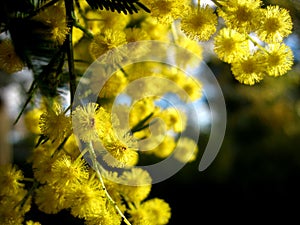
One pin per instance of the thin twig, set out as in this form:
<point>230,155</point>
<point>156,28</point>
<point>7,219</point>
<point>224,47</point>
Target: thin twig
<point>97,169</point>
<point>69,4</point>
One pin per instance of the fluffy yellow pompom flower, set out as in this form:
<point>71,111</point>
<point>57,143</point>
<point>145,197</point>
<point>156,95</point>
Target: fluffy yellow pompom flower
<point>279,59</point>
<point>156,31</point>
<point>275,24</point>
<point>165,11</point>
<point>112,87</point>
<point>165,148</point>
<point>240,15</point>
<point>186,150</point>
<point>10,178</point>
<point>120,149</point>
<point>54,123</point>
<point>249,70</point>
<point>105,43</point>
<point>192,87</point>
<point>89,122</point>
<point>153,212</point>
<point>65,172</point>
<point>30,222</point>
<point>199,24</point>
<point>98,21</point>
<point>174,119</point>
<point>138,185</point>
<point>43,161</point>
<point>230,45</point>
<point>87,199</point>
<point>50,199</point>
<point>193,51</point>
<point>11,212</point>
<point>10,62</point>
<point>32,120</point>
<point>55,18</point>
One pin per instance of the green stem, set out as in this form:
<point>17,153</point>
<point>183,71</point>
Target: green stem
<point>84,30</point>
<point>217,3</point>
<point>174,33</point>
<point>30,92</point>
<point>28,179</point>
<point>97,169</point>
<point>37,11</point>
<point>69,4</point>
<point>28,194</point>
<point>257,44</point>
<point>60,147</point>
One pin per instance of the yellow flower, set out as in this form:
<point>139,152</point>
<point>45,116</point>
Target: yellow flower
<point>89,122</point>
<point>11,212</point>
<point>184,58</point>
<point>120,149</point>
<point>112,87</point>
<point>275,24</point>
<point>43,161</point>
<point>107,43</point>
<point>279,59</point>
<point>156,31</point>
<point>249,70</point>
<point>54,123</point>
<point>240,15</point>
<point>9,60</point>
<point>10,178</point>
<point>165,11</point>
<point>55,18</point>
<point>140,110</point>
<point>230,45</point>
<point>186,150</point>
<point>174,119</point>
<point>133,36</point>
<point>32,119</point>
<point>50,199</point>
<point>192,87</point>
<point>107,217</point>
<point>165,148</point>
<point>138,185</point>
<point>65,172</point>
<point>87,199</point>
<point>154,212</point>
<point>98,21</point>
<point>199,24</point>
<point>30,222</point>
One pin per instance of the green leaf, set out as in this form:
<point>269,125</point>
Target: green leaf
<point>125,6</point>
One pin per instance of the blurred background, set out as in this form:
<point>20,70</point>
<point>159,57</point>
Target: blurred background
<point>257,171</point>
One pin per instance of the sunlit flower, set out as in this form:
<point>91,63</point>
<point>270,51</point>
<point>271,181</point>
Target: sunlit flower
<point>54,123</point>
<point>154,212</point>
<point>230,45</point>
<point>89,122</point>
<point>275,24</point>
<point>279,59</point>
<point>106,45</point>
<point>249,70</point>
<point>199,24</point>
<point>240,15</point>
<point>64,171</point>
<point>136,185</point>
<point>186,150</point>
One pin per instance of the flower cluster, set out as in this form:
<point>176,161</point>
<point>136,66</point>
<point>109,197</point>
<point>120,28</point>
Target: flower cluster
<point>79,146</point>
<point>252,40</point>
